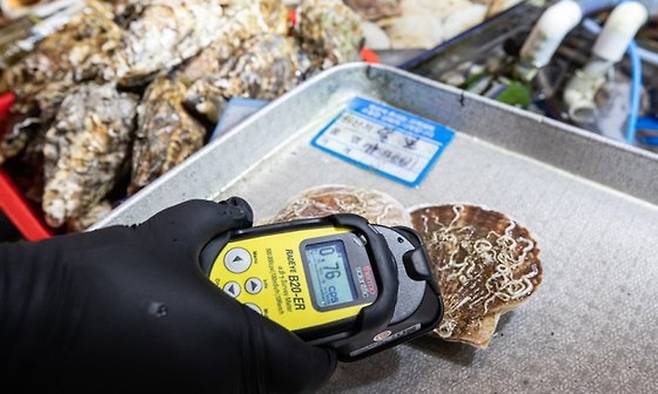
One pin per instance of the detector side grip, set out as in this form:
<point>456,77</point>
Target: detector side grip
<point>375,317</point>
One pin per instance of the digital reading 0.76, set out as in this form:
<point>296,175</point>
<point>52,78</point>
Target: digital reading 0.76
<point>330,280</point>
<point>335,281</point>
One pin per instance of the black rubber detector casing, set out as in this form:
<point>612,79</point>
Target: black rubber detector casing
<point>371,330</point>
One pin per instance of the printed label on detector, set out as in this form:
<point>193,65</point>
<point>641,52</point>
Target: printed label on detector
<point>393,143</point>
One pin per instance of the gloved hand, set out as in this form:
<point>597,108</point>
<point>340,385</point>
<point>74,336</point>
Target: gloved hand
<point>128,308</point>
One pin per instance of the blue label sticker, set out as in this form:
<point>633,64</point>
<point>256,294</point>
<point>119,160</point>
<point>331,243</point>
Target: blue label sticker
<point>390,142</point>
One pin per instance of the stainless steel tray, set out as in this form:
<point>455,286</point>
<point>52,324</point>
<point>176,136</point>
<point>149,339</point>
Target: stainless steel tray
<point>592,203</point>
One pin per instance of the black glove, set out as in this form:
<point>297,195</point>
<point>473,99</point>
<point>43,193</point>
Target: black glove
<point>127,308</point>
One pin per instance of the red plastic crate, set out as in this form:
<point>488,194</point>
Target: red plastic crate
<point>12,201</point>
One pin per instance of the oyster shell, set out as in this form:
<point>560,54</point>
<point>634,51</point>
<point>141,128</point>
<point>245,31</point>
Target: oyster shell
<point>375,206</point>
<point>85,149</point>
<point>82,50</point>
<point>485,264</point>
<point>164,33</point>
<point>21,130</point>
<point>90,217</point>
<point>166,134</point>
<point>23,78</point>
<point>266,15</point>
<point>373,10</point>
<point>330,32</point>
<point>264,67</point>
<point>241,23</point>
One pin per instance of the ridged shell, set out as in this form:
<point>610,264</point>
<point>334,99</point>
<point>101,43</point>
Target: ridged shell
<point>375,206</point>
<point>485,264</point>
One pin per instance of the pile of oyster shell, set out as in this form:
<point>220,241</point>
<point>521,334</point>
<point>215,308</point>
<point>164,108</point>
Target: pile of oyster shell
<point>123,93</point>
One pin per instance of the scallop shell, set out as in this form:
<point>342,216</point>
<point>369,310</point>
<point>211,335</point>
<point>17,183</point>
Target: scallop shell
<point>166,134</point>
<point>375,206</point>
<point>485,263</point>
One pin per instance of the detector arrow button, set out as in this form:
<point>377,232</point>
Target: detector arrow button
<point>253,285</point>
<point>237,260</point>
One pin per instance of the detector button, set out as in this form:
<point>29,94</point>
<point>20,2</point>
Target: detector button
<point>253,285</point>
<point>237,260</point>
<point>232,288</point>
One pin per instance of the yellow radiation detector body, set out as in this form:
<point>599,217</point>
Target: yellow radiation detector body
<point>336,281</point>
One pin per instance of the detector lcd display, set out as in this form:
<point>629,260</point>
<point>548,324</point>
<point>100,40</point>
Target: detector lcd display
<point>329,271</point>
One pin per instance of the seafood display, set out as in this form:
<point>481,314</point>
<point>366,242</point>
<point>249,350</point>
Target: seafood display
<point>485,264</point>
<point>85,150</point>
<point>80,51</point>
<point>166,134</point>
<point>126,90</point>
<point>375,206</point>
<point>213,75</point>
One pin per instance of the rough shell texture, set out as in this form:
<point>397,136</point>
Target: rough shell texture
<point>82,50</point>
<point>89,218</point>
<point>85,149</point>
<point>164,33</point>
<point>375,206</point>
<point>330,32</point>
<point>97,56</point>
<point>270,15</point>
<point>485,264</point>
<point>241,23</point>
<point>373,10</point>
<point>264,67</point>
<point>216,67</point>
<point>166,134</point>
